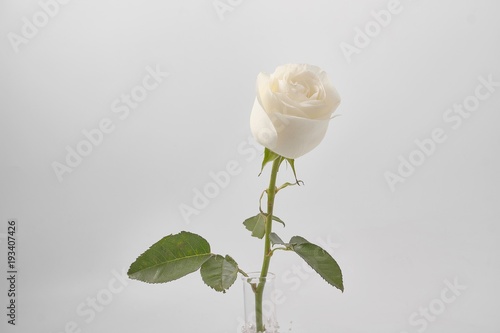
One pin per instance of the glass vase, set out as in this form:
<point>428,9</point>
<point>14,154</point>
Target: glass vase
<point>259,304</point>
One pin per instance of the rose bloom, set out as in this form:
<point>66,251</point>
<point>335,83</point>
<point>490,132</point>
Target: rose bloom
<point>293,108</point>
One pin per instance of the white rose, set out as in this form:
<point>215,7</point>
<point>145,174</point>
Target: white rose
<point>292,109</point>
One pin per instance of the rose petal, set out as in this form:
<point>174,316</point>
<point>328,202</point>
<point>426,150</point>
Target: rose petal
<point>332,95</point>
<point>267,99</point>
<point>262,127</point>
<point>297,136</point>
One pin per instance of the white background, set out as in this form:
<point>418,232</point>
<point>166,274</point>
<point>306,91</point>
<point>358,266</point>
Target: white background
<point>398,249</point>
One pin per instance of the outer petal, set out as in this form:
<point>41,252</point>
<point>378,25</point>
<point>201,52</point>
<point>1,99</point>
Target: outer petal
<point>266,97</point>
<point>332,95</point>
<point>297,136</point>
<point>262,127</point>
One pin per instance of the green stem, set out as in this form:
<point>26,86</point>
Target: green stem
<point>271,193</point>
<point>242,272</point>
